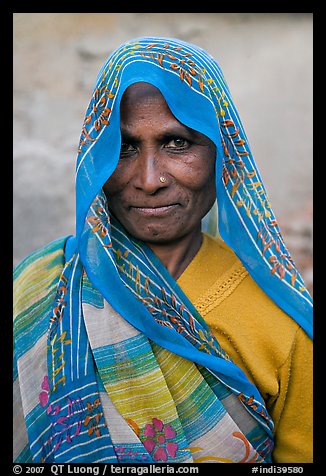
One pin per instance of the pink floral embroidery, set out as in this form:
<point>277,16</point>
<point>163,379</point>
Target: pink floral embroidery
<point>156,443</point>
<point>44,398</point>
<point>44,395</point>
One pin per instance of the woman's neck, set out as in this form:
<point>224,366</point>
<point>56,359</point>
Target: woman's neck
<point>177,255</point>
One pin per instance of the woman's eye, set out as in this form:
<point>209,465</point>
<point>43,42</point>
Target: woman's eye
<point>126,148</point>
<point>177,143</point>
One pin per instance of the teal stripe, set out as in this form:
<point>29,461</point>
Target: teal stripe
<point>218,388</point>
<point>33,331</point>
<point>31,323</point>
<point>91,295</point>
<point>200,412</point>
<point>133,357</point>
<point>24,456</point>
<point>27,318</point>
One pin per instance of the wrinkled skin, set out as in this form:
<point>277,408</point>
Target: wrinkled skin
<point>165,215</point>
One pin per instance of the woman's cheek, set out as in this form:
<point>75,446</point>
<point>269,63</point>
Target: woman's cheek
<point>117,181</point>
<point>196,175</point>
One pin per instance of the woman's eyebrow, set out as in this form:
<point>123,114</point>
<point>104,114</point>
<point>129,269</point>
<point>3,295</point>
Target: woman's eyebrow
<point>127,136</point>
<point>169,132</point>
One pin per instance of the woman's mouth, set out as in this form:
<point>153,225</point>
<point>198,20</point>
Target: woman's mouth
<point>155,211</point>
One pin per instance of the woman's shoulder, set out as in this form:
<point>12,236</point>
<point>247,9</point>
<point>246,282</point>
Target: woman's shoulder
<point>36,274</point>
<point>35,257</point>
<point>239,312</point>
<point>224,293</point>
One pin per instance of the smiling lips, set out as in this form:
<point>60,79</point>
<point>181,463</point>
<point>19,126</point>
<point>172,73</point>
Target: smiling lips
<point>155,211</point>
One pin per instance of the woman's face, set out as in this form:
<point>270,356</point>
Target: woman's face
<point>155,144</point>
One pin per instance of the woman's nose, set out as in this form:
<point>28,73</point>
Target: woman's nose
<point>148,171</point>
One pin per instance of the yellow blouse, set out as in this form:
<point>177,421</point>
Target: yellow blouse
<point>272,350</point>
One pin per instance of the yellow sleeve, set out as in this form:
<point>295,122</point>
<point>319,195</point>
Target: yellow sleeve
<point>292,411</point>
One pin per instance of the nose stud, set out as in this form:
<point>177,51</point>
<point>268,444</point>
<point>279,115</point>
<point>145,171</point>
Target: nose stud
<point>162,179</point>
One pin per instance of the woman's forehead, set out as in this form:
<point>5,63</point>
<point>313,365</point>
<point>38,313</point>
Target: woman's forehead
<point>143,98</point>
<point>140,90</point>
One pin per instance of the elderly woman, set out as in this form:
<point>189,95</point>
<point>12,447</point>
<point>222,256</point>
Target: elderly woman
<point>159,332</point>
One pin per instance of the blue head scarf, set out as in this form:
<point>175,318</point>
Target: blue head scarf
<point>198,96</point>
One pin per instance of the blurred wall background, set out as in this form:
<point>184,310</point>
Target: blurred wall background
<point>267,62</point>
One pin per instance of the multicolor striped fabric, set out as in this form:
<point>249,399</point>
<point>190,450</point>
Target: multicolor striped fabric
<point>112,361</point>
<point>110,394</point>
